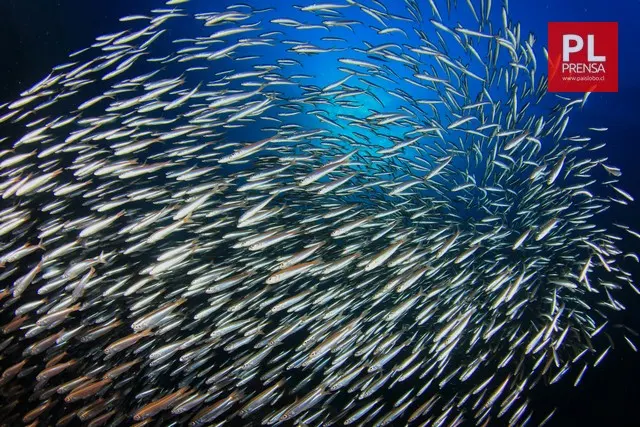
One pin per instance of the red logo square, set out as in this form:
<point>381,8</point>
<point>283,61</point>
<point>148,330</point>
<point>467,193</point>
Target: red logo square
<point>583,56</point>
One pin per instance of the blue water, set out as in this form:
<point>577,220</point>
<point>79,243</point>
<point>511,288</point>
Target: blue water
<point>37,35</point>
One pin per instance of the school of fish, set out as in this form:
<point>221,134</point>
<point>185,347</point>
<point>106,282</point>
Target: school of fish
<point>205,230</point>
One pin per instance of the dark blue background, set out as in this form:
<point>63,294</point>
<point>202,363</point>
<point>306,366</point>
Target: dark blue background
<point>37,35</point>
